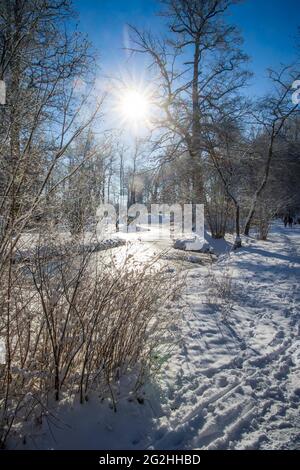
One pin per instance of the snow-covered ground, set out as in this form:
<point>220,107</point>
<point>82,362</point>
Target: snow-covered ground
<point>236,384</point>
<point>233,379</point>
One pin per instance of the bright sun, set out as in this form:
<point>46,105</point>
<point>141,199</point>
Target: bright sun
<point>134,106</point>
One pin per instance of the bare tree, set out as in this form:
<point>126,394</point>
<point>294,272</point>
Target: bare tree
<point>228,149</point>
<point>41,64</point>
<point>198,68</point>
<point>274,111</point>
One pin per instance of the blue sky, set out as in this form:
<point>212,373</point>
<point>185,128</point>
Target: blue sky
<point>269,29</point>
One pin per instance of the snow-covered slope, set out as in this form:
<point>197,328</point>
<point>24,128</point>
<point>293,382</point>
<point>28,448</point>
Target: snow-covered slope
<point>233,381</point>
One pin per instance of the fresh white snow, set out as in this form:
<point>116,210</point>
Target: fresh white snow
<point>233,379</point>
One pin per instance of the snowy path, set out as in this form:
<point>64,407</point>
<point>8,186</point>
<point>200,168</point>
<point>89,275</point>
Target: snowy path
<point>231,384</point>
<point>237,383</point>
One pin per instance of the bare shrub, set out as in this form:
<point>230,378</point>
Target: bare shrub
<point>77,323</point>
<point>266,210</point>
<point>218,211</point>
<point>220,290</point>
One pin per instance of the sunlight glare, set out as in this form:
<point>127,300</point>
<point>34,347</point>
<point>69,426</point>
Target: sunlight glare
<point>134,106</point>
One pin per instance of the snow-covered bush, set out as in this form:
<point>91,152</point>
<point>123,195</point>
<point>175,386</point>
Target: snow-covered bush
<point>78,322</point>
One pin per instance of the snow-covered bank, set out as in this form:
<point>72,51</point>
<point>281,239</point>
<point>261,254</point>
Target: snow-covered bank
<point>233,380</point>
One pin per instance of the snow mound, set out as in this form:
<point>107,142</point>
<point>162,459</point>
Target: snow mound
<point>193,244</point>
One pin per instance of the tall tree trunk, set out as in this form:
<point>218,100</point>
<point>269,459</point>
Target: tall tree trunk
<point>238,241</point>
<point>260,188</point>
<point>194,150</point>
